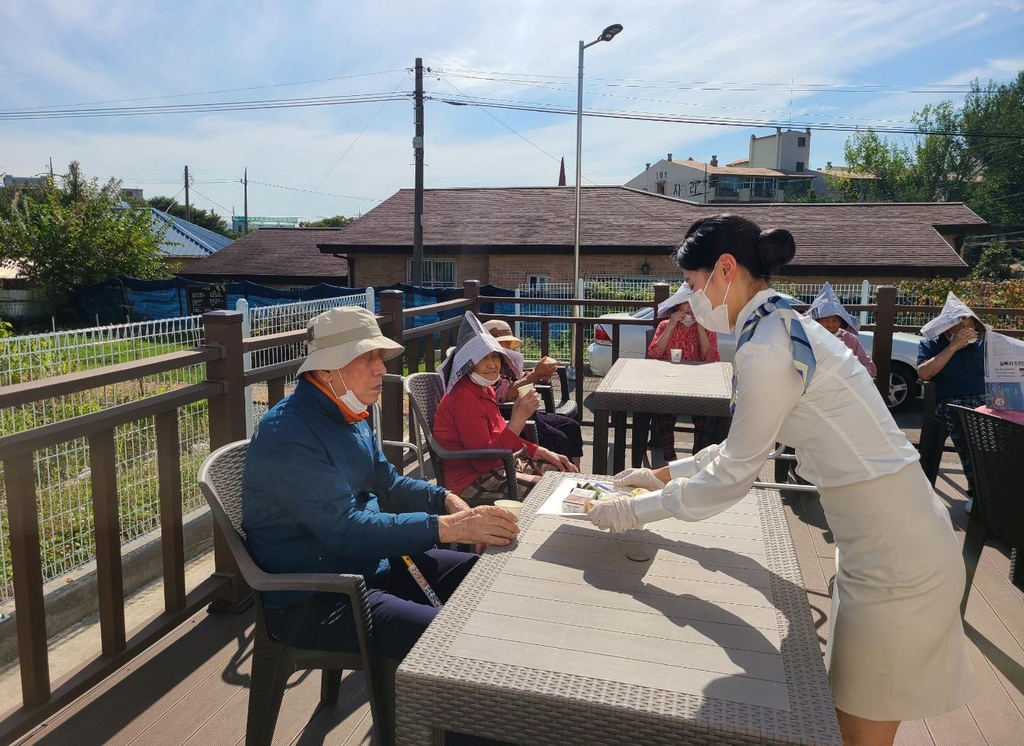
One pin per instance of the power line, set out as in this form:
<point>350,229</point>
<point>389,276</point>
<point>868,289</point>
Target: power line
<point>401,80</point>
<point>712,121</point>
<point>310,191</point>
<point>207,93</point>
<point>210,107</point>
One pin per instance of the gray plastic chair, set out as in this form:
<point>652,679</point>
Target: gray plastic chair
<point>220,478</point>
<point>425,391</point>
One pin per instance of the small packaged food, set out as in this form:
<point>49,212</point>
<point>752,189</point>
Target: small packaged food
<point>576,501</point>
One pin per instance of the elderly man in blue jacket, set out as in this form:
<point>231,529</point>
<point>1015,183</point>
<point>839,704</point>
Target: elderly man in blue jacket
<point>319,496</point>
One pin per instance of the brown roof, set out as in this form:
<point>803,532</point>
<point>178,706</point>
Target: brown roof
<point>730,170</point>
<point>834,238</point>
<point>278,255</point>
<point>846,173</point>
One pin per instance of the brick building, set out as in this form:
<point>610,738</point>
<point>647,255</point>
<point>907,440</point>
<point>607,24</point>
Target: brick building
<point>515,236</point>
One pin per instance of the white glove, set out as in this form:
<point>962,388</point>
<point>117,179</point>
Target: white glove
<point>616,514</point>
<point>637,478</point>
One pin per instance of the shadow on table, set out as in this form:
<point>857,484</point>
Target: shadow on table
<point>792,645</point>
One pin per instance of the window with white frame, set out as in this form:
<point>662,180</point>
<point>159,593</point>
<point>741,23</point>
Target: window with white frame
<point>537,282</point>
<point>437,273</point>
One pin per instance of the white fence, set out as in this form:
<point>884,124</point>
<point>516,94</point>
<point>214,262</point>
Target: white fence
<point>62,471</point>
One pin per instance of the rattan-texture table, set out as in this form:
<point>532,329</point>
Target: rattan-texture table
<point>655,386</point>
<point>561,639</point>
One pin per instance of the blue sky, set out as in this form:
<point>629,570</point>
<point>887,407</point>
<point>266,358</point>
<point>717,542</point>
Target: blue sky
<point>348,158</point>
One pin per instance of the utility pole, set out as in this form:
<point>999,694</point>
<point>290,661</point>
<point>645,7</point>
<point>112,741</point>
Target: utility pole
<point>51,171</point>
<point>417,210</point>
<point>245,218</point>
<point>188,205</point>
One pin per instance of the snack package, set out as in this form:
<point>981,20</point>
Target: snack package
<point>577,500</point>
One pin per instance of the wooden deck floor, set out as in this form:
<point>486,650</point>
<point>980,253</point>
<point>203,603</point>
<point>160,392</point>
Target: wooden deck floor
<point>192,688</point>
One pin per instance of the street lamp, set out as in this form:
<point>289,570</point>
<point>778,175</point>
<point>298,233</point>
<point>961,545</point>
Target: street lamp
<point>607,35</point>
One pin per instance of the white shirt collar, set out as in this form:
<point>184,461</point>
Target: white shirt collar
<point>759,297</point>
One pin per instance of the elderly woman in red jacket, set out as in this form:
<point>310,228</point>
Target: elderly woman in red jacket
<point>468,418</point>
<point>680,331</point>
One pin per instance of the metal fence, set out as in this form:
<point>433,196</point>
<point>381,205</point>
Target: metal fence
<point>62,472</point>
<point>286,317</point>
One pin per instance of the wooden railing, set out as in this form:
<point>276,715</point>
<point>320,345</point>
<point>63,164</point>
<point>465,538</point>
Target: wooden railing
<point>223,389</point>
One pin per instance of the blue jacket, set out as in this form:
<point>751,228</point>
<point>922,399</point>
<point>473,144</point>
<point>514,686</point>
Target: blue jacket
<point>319,496</point>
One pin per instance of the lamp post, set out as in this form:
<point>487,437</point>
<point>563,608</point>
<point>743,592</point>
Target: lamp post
<point>607,35</point>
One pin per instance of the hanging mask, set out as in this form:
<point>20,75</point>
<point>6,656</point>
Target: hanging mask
<point>479,379</point>
<point>350,400</point>
<point>688,320</point>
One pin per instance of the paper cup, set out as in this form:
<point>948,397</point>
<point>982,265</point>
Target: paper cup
<point>677,356</point>
<point>525,389</point>
<point>512,506</point>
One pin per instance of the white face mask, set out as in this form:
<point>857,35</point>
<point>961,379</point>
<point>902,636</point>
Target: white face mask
<point>349,399</point>
<point>714,319</point>
<point>479,379</point>
<point>688,320</point>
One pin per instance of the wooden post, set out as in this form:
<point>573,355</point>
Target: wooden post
<point>30,614</point>
<point>110,586</point>
<point>471,291</point>
<point>227,424</point>
<point>881,350</point>
<point>168,457</point>
<point>661,294</point>
<point>393,396</point>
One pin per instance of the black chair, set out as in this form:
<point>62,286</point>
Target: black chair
<point>996,447</point>
<point>220,478</point>
<point>933,435</point>
<point>425,391</point>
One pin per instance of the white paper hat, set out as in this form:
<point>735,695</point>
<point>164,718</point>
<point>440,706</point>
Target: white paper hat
<point>951,314</point>
<point>682,295</point>
<point>827,304</point>
<point>473,345</point>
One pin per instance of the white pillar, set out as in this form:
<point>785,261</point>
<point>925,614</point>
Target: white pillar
<point>370,300</point>
<point>518,329</point>
<point>243,305</point>
<point>865,298</point>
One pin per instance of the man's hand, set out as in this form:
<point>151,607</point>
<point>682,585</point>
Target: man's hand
<point>560,462</point>
<point>637,478</point>
<point>453,503</point>
<point>616,514</point>
<point>487,524</point>
<point>963,338</point>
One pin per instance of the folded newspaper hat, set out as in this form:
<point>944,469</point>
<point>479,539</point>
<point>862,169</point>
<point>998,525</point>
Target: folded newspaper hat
<point>950,315</point>
<point>682,295</point>
<point>338,336</point>
<point>827,304</point>
<point>473,345</point>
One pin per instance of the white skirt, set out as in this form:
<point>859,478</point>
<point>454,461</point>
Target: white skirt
<point>896,649</point>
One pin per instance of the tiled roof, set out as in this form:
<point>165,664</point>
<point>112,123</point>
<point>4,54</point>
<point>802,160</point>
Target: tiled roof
<point>869,235</point>
<point>731,170</point>
<point>187,240</point>
<point>273,253</point>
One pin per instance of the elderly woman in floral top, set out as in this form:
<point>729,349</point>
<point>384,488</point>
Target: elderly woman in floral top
<point>680,331</point>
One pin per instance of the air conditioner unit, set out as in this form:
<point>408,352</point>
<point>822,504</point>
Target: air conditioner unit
<point>745,195</point>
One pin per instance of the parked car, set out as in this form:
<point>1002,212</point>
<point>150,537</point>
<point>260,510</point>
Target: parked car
<point>903,382</point>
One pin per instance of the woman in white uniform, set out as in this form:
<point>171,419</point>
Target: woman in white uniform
<point>897,649</point>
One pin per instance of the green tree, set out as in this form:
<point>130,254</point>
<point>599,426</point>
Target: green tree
<point>203,218</point>
<point>79,233</point>
<point>995,263</point>
<point>338,221</point>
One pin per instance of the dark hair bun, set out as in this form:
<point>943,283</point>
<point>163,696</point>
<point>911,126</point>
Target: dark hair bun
<point>775,248</point>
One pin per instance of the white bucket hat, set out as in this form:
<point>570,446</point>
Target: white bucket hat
<point>338,336</point>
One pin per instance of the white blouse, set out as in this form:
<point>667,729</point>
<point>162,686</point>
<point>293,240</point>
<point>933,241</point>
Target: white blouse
<point>840,428</point>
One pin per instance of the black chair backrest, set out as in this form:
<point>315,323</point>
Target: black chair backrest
<point>996,448</point>
<point>650,338</point>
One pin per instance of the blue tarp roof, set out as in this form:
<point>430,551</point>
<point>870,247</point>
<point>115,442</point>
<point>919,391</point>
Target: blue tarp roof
<point>185,239</point>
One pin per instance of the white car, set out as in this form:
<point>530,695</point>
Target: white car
<point>903,385</point>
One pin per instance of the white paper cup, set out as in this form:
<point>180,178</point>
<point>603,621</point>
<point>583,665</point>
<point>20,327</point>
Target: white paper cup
<point>512,506</point>
<point>525,389</point>
<point>677,356</point>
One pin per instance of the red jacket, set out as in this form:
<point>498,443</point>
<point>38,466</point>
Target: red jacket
<point>468,418</point>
